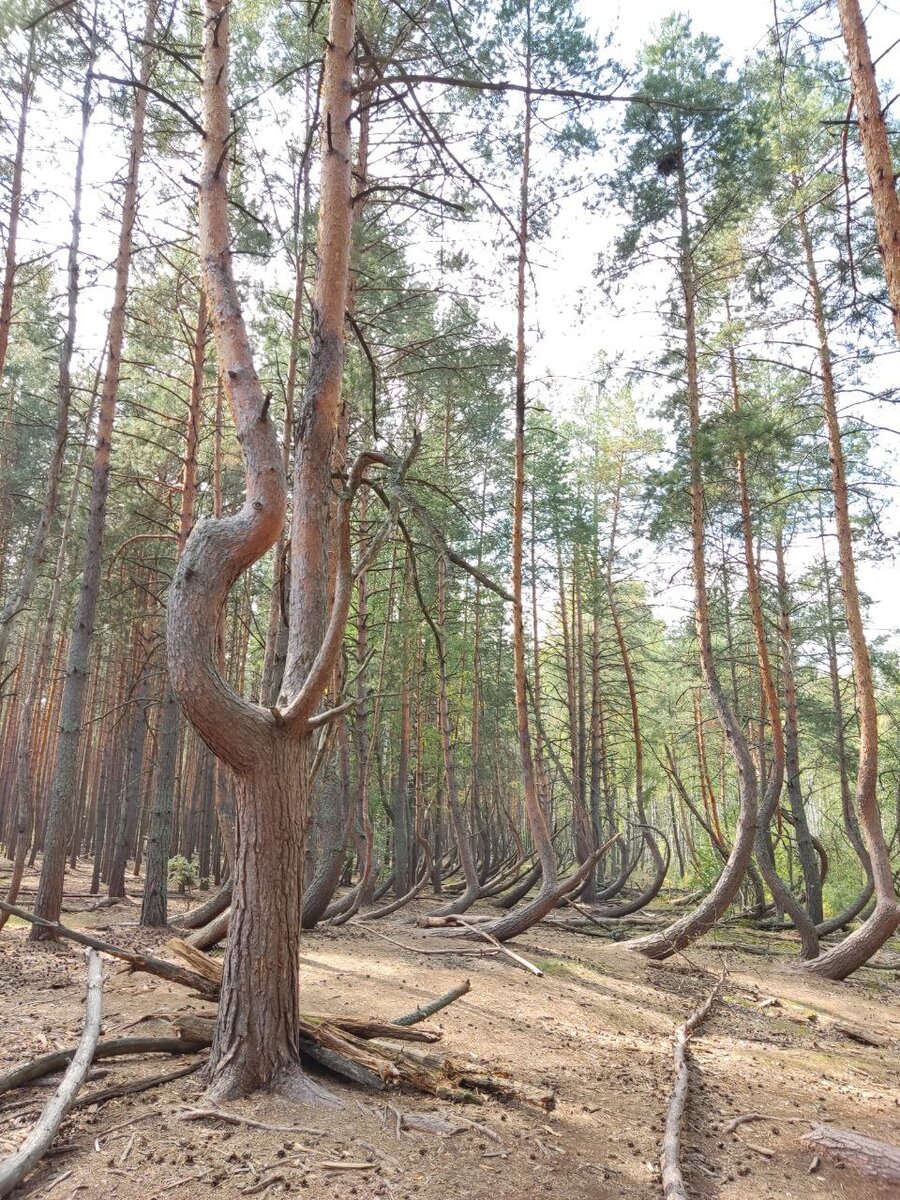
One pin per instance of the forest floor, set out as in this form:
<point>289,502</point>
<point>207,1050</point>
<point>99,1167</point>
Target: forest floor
<point>597,1028</point>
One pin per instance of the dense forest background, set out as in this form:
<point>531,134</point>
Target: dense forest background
<point>709,403</point>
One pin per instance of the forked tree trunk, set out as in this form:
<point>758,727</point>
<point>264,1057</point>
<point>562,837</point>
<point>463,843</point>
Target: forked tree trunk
<point>271,751</point>
<point>65,777</point>
<point>686,930</point>
<point>873,135</point>
<point>856,949</point>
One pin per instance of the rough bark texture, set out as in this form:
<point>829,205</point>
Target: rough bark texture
<point>876,148</point>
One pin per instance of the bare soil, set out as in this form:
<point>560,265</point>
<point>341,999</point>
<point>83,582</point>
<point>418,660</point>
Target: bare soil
<point>597,1028</point>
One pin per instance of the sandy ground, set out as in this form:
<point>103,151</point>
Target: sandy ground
<point>597,1028</point>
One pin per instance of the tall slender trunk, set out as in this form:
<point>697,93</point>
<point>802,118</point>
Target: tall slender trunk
<point>49,895</point>
<point>809,861</point>
<point>859,946</point>
<point>154,908</point>
<point>684,931</point>
<point>15,204</point>
<point>876,147</point>
<point>765,857</point>
<point>34,558</point>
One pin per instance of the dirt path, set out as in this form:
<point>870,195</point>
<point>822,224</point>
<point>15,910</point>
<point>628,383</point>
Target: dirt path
<point>597,1028</point>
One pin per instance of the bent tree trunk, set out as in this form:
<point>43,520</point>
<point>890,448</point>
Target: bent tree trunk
<point>271,751</point>
<point>686,930</point>
<point>860,945</point>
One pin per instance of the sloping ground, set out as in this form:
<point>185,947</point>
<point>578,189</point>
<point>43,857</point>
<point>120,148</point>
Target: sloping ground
<point>597,1027</point>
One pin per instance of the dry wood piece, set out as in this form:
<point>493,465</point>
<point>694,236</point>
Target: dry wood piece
<point>46,1064</point>
<point>881,1160</point>
<point>138,962</point>
<point>670,1157</point>
<point>14,1169</point>
<point>209,968</point>
<point>217,1114</point>
<point>863,1036</point>
<point>504,950</point>
<point>433,1006</point>
<point>200,1029</point>
<point>134,1086</point>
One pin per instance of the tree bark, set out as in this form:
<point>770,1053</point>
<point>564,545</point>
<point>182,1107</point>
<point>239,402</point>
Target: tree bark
<point>859,946</point>
<point>876,147</point>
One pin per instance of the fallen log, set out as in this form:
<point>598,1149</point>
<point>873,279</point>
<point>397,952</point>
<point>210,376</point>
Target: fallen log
<point>14,1169</point>
<point>56,1060</point>
<point>210,935</point>
<point>880,1160</point>
<point>201,1029</point>
<point>670,1156</point>
<point>138,962</point>
<point>133,1086</point>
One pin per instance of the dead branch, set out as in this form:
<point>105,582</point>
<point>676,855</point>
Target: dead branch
<point>670,1157</point>
<point>133,1086</point>
<point>138,962</point>
<point>504,950</point>
<point>46,1064</point>
<point>433,1006</point>
<point>14,1169</point>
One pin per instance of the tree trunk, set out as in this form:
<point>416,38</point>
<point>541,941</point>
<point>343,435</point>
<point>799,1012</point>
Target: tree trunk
<point>809,862</point>
<point>21,594</point>
<point>859,946</point>
<point>154,908</point>
<point>876,146</point>
<point>272,751</point>
<point>765,858</point>
<point>49,896</point>
<point>684,931</point>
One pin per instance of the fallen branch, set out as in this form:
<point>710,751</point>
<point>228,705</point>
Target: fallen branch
<point>428,949</point>
<point>428,1010</point>
<point>504,950</point>
<point>217,1114</point>
<point>670,1157</point>
<point>14,1169</point>
<point>133,1086</point>
<point>56,1060</point>
<point>881,1160</point>
<point>138,962</point>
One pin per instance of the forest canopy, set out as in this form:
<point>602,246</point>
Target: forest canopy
<point>448,452</point>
